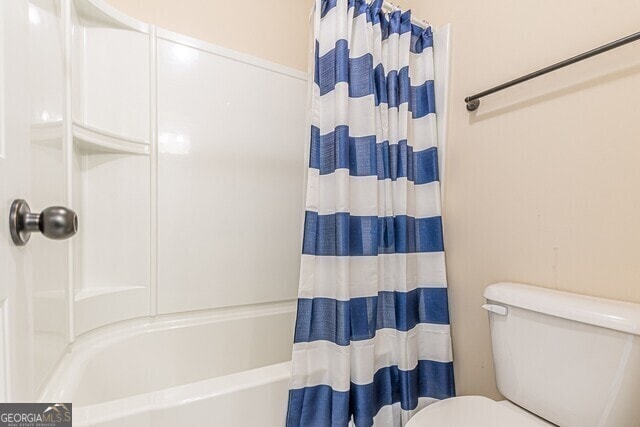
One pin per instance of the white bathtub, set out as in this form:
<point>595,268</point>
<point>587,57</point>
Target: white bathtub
<point>221,368</point>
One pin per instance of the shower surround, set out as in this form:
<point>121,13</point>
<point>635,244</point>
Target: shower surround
<point>177,296</point>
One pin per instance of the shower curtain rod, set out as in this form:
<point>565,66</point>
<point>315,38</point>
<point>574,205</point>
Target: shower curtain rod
<point>389,7</point>
<point>473,102</point>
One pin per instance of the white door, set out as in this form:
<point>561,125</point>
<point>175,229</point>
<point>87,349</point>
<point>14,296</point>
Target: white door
<point>33,278</point>
<point>14,183</point>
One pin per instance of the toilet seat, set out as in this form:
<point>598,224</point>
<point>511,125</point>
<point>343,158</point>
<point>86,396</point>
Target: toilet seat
<point>474,411</point>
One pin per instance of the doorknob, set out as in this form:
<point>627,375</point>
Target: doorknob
<point>55,222</point>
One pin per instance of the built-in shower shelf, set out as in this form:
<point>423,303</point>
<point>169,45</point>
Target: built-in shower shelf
<point>92,140</point>
<point>98,13</point>
<point>98,291</point>
<point>99,306</point>
<point>47,132</point>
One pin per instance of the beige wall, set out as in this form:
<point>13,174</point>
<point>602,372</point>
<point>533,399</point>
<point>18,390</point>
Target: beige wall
<point>276,30</point>
<point>543,182</point>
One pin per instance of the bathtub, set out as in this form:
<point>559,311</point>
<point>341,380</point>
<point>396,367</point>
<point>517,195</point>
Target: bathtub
<point>228,367</point>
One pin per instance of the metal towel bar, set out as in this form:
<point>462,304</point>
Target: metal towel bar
<point>473,101</point>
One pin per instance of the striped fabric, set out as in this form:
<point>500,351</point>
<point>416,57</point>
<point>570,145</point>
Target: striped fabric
<point>372,341</point>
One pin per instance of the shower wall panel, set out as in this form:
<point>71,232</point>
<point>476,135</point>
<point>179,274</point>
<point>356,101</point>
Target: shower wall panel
<point>231,142</point>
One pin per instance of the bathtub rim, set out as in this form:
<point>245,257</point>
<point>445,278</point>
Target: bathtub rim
<point>67,374</point>
<point>172,397</point>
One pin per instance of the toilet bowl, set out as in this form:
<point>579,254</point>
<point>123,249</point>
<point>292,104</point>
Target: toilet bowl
<point>560,359</point>
<point>475,411</point>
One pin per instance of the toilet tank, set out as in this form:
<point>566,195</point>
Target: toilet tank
<point>571,359</point>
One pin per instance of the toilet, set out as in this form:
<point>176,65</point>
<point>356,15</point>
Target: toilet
<point>560,359</point>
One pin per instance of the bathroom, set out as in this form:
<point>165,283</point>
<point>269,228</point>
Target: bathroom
<point>175,183</point>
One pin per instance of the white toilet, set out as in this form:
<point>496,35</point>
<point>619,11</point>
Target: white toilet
<point>560,358</point>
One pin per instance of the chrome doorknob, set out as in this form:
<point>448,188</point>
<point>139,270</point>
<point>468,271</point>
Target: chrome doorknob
<point>55,222</point>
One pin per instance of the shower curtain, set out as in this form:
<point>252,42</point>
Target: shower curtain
<point>372,342</point>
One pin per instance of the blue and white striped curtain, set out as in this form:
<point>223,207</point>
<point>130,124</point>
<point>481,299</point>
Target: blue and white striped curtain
<point>372,340</point>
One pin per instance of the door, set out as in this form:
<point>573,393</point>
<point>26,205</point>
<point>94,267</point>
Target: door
<point>34,277</point>
<point>14,155</point>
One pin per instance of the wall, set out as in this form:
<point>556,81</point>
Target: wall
<point>542,181</point>
<point>276,30</point>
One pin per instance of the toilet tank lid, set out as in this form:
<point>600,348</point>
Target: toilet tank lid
<point>611,314</point>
